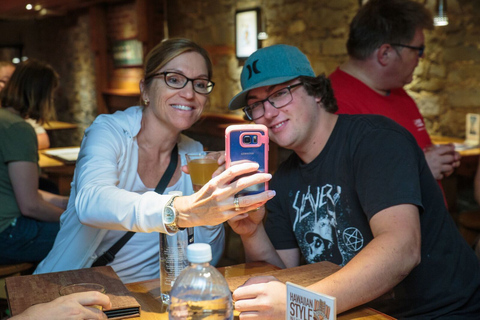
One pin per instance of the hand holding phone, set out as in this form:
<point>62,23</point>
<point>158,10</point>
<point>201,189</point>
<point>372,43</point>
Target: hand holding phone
<point>248,142</point>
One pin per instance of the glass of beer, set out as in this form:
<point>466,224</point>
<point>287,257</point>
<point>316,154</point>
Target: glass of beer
<point>201,166</point>
<point>83,287</point>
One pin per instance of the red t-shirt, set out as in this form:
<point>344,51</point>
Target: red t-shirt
<point>355,97</point>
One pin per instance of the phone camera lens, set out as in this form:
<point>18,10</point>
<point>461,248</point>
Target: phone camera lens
<point>247,139</point>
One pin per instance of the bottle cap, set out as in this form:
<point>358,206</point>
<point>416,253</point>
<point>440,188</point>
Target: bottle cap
<point>199,253</point>
<point>175,193</point>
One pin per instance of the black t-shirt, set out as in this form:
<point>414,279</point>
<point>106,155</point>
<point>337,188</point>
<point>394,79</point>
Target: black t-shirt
<point>370,163</point>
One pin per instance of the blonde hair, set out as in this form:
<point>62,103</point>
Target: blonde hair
<point>169,49</point>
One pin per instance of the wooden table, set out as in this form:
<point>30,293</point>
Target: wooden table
<point>473,152</point>
<point>147,293</point>
<point>469,161</point>
<point>59,172</point>
<point>463,176</point>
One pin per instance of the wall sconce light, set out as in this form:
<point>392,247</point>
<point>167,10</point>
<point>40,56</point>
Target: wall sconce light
<point>262,33</point>
<point>441,18</point>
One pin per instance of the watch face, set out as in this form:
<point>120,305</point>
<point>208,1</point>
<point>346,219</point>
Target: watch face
<point>168,215</point>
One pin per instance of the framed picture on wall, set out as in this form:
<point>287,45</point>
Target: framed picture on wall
<point>246,31</point>
<point>127,53</point>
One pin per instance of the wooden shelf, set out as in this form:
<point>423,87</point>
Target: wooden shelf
<point>121,92</point>
<point>59,125</point>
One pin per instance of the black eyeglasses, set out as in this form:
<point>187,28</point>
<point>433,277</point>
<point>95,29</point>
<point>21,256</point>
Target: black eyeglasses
<point>178,81</point>
<point>278,99</point>
<point>420,49</point>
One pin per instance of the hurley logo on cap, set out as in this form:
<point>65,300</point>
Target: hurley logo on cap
<point>252,67</point>
<point>270,66</point>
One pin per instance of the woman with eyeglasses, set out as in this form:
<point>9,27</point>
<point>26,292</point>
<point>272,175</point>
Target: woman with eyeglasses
<point>123,157</point>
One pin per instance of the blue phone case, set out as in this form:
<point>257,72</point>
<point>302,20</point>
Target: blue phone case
<point>248,142</point>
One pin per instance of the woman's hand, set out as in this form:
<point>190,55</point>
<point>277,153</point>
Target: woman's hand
<point>262,297</point>
<point>220,169</point>
<point>214,202</point>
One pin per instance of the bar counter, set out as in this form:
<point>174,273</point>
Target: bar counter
<point>471,152</point>
<point>147,293</point>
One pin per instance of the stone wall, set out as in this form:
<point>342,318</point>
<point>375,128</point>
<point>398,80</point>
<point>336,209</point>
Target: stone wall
<point>446,84</point>
<point>63,42</point>
<point>447,81</point>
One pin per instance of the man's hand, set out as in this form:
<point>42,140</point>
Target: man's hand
<point>442,160</point>
<point>73,306</point>
<point>246,224</point>
<point>261,298</point>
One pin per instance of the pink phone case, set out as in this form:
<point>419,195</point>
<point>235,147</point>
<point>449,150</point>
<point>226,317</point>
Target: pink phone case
<point>248,142</point>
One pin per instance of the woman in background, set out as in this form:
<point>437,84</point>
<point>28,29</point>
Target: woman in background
<point>28,216</point>
<point>122,158</point>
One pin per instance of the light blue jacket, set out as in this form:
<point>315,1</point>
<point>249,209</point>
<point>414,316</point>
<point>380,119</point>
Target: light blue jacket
<point>99,200</point>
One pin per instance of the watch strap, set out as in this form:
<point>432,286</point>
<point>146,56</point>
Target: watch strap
<point>172,227</point>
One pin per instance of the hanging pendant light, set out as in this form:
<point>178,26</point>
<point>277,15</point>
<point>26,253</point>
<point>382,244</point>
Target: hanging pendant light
<point>441,18</point>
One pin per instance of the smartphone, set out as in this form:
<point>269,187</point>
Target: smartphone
<point>247,142</point>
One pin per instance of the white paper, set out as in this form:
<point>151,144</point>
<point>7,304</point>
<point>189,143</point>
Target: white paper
<point>472,129</point>
<point>65,154</point>
<point>304,304</point>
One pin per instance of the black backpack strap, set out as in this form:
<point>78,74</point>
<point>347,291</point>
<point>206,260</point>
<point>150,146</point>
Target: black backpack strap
<point>109,255</point>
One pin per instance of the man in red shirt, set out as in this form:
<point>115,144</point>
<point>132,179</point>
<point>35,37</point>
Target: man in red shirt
<point>385,44</point>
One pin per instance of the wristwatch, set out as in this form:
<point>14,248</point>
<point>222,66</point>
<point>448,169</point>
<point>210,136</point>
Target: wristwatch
<point>170,216</point>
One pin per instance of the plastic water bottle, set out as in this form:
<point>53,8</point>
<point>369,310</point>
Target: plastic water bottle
<point>200,291</point>
<point>173,257</point>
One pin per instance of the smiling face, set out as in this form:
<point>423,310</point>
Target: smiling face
<point>178,109</point>
<point>293,125</point>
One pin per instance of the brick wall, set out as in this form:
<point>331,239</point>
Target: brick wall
<point>446,84</point>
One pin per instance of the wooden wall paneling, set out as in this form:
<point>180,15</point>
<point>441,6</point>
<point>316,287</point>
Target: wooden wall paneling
<point>141,10</point>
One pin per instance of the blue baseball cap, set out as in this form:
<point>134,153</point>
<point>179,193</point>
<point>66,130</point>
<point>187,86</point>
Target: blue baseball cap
<point>270,66</point>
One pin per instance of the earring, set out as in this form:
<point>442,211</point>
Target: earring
<point>146,102</point>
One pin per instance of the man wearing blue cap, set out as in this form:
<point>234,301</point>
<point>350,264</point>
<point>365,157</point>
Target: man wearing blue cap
<point>356,191</point>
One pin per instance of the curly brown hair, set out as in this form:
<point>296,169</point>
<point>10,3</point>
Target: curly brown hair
<point>320,86</point>
<point>169,49</point>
